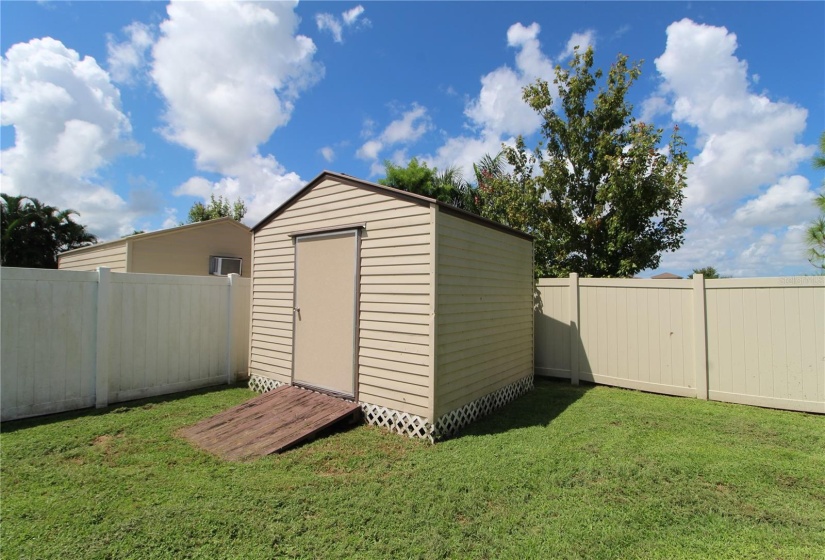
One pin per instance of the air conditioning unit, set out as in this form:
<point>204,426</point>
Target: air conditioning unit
<point>221,266</point>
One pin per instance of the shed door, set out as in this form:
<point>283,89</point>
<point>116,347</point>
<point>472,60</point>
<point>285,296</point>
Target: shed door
<point>326,272</point>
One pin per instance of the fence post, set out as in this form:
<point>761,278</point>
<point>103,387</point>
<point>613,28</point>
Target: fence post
<point>700,352</point>
<point>575,337</point>
<point>102,338</point>
<point>230,338</point>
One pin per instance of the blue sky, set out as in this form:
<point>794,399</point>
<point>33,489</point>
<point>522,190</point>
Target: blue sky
<point>131,111</point>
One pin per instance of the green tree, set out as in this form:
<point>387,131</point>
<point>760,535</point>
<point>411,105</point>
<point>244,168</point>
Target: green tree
<point>708,272</point>
<point>490,168</point>
<point>33,233</point>
<point>514,198</point>
<point>815,234</point>
<point>217,208</point>
<point>446,186</point>
<point>607,193</point>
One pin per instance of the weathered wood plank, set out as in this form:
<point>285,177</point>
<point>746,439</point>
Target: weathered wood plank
<point>269,423</point>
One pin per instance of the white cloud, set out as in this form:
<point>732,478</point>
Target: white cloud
<point>621,31</point>
<point>377,168</point>
<point>368,128</point>
<point>328,22</point>
<point>746,142</point>
<point>126,58</point>
<point>582,40</point>
<point>499,108</point>
<point>230,74</point>
<point>412,125</point>
<point>261,182</point>
<point>370,149</point>
<point>464,151</point>
<point>327,153</point>
<point>761,249</point>
<point>531,63</point>
<point>654,106</point>
<point>352,15</point>
<point>771,253</point>
<point>409,128</point>
<point>499,112</point>
<point>171,218</point>
<point>783,203</point>
<point>195,186</point>
<point>398,157</point>
<point>68,124</point>
<point>349,18</point>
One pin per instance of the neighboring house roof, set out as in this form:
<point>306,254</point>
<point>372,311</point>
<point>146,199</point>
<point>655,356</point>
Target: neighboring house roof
<point>392,191</point>
<point>666,276</point>
<point>159,233</point>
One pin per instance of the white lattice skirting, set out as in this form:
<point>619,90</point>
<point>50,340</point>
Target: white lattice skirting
<point>261,384</point>
<point>448,424</point>
<point>414,426</point>
<point>396,421</point>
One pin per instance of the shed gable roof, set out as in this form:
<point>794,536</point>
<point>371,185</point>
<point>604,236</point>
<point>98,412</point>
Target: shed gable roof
<point>391,191</point>
<point>160,233</point>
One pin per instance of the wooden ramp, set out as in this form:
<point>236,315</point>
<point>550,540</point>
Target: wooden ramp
<point>269,423</point>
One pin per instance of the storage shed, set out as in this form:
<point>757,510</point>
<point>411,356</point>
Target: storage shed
<point>420,312</point>
<point>220,246</point>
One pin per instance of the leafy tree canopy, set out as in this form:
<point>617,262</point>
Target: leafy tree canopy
<point>217,208</point>
<point>446,186</point>
<point>815,234</point>
<point>600,193</point>
<point>708,272</point>
<point>34,233</point>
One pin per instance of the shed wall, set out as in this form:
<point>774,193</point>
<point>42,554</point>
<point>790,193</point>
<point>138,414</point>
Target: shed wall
<point>485,311</point>
<point>394,293</point>
<point>188,251</point>
<point>112,256</point>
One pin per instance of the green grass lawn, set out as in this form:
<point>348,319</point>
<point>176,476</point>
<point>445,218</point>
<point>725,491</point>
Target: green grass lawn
<point>563,472</point>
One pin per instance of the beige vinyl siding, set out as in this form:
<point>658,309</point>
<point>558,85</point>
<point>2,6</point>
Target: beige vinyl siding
<point>393,296</point>
<point>485,317</point>
<point>110,255</point>
<point>188,251</point>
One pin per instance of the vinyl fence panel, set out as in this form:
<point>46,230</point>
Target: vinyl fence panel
<point>552,327</point>
<point>76,339</point>
<point>636,335</point>
<point>752,341</point>
<point>48,341</point>
<point>167,333</point>
<point>765,342</point>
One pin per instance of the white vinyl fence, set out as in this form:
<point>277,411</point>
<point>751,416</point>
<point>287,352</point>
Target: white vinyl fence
<point>757,341</point>
<point>78,339</point>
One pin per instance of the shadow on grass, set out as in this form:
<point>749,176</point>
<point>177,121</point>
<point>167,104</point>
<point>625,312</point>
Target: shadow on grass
<point>10,426</point>
<point>549,398</point>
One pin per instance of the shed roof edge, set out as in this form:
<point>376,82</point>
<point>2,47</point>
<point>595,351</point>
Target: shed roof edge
<point>392,191</point>
<point>158,233</point>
